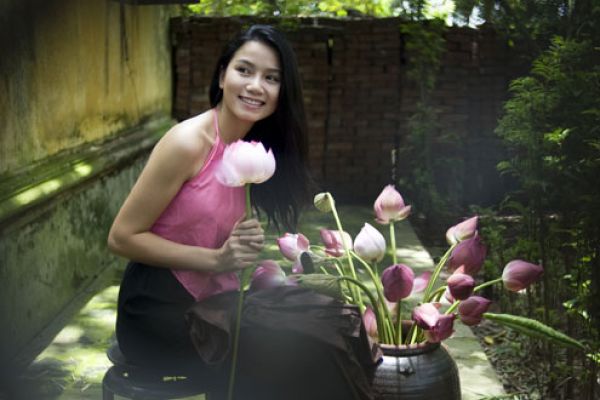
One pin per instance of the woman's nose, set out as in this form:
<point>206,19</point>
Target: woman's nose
<point>255,85</point>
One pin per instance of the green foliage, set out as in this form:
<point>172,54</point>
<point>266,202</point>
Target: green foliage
<point>323,8</point>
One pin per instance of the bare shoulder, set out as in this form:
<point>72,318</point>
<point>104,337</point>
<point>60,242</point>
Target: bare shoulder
<point>187,144</point>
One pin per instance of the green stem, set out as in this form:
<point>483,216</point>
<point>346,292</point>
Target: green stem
<point>390,334</point>
<point>452,307</point>
<point>399,323</point>
<point>236,337</point>
<point>379,317</point>
<point>356,294</point>
<point>393,243</point>
<point>486,284</point>
<point>436,273</point>
<point>245,278</point>
<point>248,202</point>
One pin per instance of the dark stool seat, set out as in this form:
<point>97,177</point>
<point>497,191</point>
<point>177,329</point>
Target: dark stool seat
<point>139,383</point>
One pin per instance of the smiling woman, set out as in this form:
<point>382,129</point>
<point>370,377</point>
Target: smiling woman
<point>187,235</point>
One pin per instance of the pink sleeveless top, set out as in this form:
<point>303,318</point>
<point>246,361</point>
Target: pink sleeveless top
<point>203,214</point>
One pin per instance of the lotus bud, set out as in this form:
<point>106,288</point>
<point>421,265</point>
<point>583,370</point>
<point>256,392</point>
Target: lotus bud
<point>369,244</point>
<point>518,275</point>
<point>390,206</point>
<point>334,245</point>
<point>267,275</point>
<point>398,281</point>
<point>323,202</point>
<point>292,245</point>
<point>462,231</point>
<point>471,310</point>
<point>460,285</point>
<point>470,254</point>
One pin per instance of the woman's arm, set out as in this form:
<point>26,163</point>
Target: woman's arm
<point>175,159</point>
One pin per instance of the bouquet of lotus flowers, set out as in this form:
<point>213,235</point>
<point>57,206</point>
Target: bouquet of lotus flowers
<point>336,268</point>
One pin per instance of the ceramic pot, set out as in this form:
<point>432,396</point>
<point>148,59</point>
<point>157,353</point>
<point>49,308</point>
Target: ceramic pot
<point>418,372</point>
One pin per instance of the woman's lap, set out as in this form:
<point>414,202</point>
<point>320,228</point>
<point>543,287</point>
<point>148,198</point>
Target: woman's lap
<point>152,329</point>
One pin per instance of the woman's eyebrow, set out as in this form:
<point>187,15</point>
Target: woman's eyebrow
<point>251,64</point>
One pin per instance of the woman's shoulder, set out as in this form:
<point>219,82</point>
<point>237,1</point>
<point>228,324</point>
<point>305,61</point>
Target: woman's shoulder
<point>189,142</point>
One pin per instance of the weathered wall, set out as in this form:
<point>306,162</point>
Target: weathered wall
<point>76,77</point>
<point>77,71</point>
<point>359,99</point>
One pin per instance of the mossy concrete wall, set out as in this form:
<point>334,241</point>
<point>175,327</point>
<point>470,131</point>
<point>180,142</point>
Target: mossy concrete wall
<point>74,76</point>
<point>76,71</point>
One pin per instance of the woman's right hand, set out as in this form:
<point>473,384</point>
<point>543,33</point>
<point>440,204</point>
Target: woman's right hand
<point>243,246</point>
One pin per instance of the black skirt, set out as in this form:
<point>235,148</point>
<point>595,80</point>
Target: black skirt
<point>305,358</point>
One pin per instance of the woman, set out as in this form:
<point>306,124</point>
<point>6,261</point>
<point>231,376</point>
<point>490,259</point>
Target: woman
<point>185,232</point>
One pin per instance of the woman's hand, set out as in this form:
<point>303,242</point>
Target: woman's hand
<point>243,246</point>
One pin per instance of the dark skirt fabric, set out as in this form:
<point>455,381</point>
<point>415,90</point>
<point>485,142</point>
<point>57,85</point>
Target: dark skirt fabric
<point>294,343</point>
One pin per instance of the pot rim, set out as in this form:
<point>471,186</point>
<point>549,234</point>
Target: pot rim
<point>408,349</point>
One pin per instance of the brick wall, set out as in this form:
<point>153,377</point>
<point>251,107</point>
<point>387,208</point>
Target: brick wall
<point>358,98</point>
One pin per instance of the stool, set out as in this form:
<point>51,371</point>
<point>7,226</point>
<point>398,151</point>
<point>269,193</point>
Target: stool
<point>139,383</point>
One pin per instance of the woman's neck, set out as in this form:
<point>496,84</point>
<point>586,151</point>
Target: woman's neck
<point>230,127</point>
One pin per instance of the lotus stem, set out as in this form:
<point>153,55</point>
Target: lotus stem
<point>436,273</point>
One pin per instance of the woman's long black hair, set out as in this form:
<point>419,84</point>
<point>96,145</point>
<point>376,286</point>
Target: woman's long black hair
<point>285,131</point>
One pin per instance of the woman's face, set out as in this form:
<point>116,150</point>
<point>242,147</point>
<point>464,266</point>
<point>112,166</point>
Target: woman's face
<point>251,82</point>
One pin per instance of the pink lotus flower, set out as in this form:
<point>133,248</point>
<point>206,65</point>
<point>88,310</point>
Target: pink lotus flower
<point>464,230</point>
<point>370,323</point>
<point>245,162</point>
<point>471,310</point>
<point>389,206</point>
<point>292,245</point>
<point>518,275</point>
<point>469,253</point>
<point>267,275</point>
<point>397,282</point>
<point>421,282</point>
<point>334,246</point>
<point>369,244</point>
<point>460,285</point>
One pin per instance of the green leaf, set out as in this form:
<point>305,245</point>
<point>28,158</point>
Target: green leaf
<point>533,328</point>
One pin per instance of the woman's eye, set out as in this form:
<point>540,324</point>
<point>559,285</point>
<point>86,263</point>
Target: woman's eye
<point>243,70</point>
<point>273,78</point>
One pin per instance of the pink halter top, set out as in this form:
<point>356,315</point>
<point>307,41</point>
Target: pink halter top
<point>203,214</point>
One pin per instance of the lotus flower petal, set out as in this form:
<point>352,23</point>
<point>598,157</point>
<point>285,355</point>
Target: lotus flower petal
<point>245,162</point>
<point>267,275</point>
<point>421,282</point>
<point>462,231</point>
<point>443,329</point>
<point>292,245</point>
<point>426,315</point>
<point>370,322</point>
<point>470,254</point>
<point>334,245</point>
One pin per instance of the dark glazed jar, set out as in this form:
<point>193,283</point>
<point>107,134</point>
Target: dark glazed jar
<point>418,372</point>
